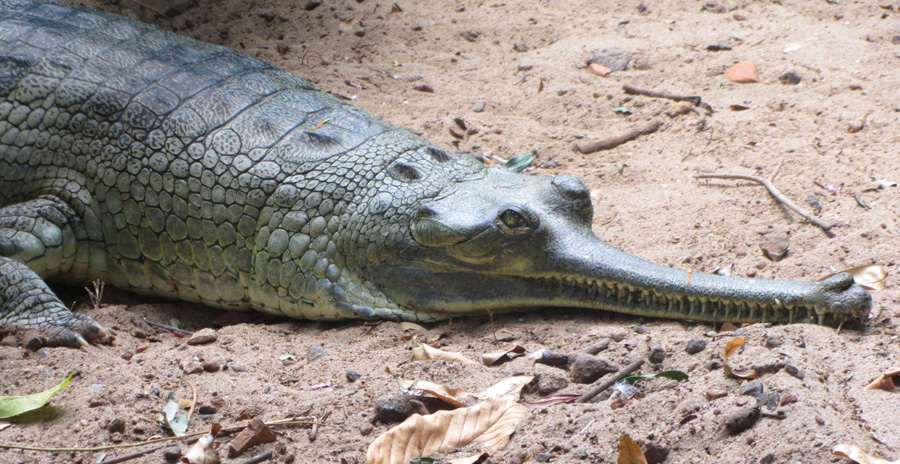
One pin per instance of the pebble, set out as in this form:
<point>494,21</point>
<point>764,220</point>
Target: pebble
<point>599,69</point>
<point>790,398</point>
<point>820,420</point>
<point>695,346</point>
<point>602,345</point>
<point>192,367</point>
<point>127,355</point>
<point>520,47</point>
<point>96,402</point>
<point>774,245</point>
<point>548,384</point>
<point>202,336</point>
<point>794,370</point>
<point>312,5</point>
<point>116,425</point>
<point>742,420</point>
<point>638,329</point>
<point>397,408</point>
<point>365,429</point>
<point>586,368</point>
<point>715,393</point>
<point>739,17</point>
<point>171,453</point>
<point>744,72</point>
<point>714,364</point>
<point>655,453</point>
<point>543,457</point>
<point>753,389</point>
<point>615,59</point>
<point>790,78</point>
<point>352,376</point>
<point>479,108</point>
<point>316,352</point>
<point>774,342</point>
<point>238,368</point>
<point>657,355</point>
<point>138,333</point>
<point>767,459</point>
<point>550,358</point>
<point>767,368</point>
<point>34,343</point>
<point>207,408</point>
<point>211,366</point>
<point>617,336</point>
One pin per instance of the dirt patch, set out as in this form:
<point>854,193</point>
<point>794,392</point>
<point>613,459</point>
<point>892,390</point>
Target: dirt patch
<point>516,73</point>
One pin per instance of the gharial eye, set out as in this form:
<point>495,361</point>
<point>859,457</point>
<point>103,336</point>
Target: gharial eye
<point>514,221</point>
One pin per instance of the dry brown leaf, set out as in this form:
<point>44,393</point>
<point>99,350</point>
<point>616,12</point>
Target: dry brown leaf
<point>489,359</point>
<point>457,398</point>
<point>730,349</point>
<point>507,388</point>
<point>425,352</point>
<point>856,453</point>
<point>630,452</point>
<point>412,326</point>
<point>474,459</point>
<point>869,277</point>
<point>733,345</point>
<point>888,381</point>
<point>492,421</point>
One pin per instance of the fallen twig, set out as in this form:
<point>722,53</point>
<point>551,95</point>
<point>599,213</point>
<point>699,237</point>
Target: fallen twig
<point>259,458</point>
<point>170,328</point>
<point>605,385</point>
<point>634,90</point>
<point>616,140</point>
<point>777,195</point>
<point>294,420</point>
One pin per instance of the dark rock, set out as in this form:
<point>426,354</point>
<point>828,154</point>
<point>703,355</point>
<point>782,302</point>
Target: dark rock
<point>470,36</point>
<point>655,453</point>
<point>602,345</point>
<point>767,459</point>
<point>207,409</point>
<point>695,346</point>
<point>617,337</point>
<point>753,389</point>
<point>790,398</point>
<point>774,245</point>
<point>211,366</point>
<point>96,401</point>
<point>742,420</point>
<point>548,384</point>
<point>316,352</point>
<point>544,457</point>
<point>398,408</point>
<point>549,358</point>
<point>639,329</point>
<point>657,355</point>
<point>774,342</point>
<point>794,370</point>
<point>171,453</point>
<point>312,5</point>
<point>714,364</point>
<point>768,400</point>
<point>768,368</point>
<point>352,376</point>
<point>616,59</point>
<point>520,47</point>
<point>116,425</point>
<point>790,78</point>
<point>127,355</point>
<point>586,368</point>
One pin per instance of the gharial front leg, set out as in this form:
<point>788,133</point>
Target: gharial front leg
<point>38,239</point>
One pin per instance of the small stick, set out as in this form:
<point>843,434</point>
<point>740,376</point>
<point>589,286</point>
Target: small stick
<point>616,140</point>
<point>775,194</point>
<point>602,387</point>
<point>634,90</point>
<point>193,400</point>
<point>170,328</point>
<point>259,458</point>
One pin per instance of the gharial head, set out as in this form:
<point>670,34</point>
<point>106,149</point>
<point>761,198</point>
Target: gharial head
<point>501,241</point>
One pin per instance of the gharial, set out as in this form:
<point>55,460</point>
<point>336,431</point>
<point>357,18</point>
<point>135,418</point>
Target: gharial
<point>179,169</point>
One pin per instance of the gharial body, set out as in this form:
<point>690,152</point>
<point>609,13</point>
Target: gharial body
<point>174,168</point>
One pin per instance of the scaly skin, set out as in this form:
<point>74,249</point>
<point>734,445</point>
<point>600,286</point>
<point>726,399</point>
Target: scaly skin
<point>179,169</point>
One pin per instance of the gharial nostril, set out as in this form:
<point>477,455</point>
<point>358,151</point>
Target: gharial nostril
<point>571,188</point>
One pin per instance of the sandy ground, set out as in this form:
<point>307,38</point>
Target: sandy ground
<point>523,63</point>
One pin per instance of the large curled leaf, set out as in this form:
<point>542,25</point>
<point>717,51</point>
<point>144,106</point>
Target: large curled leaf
<point>869,277</point>
<point>425,352</point>
<point>14,405</point>
<point>492,421</point>
<point>857,454</point>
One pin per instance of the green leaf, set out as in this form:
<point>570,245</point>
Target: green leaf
<point>672,374</point>
<point>519,163</point>
<point>14,405</point>
<point>622,110</point>
<point>424,460</point>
